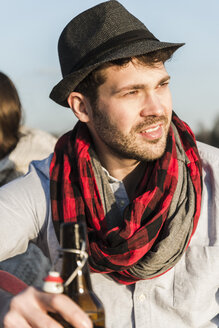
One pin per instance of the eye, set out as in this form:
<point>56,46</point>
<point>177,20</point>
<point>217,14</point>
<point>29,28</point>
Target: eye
<point>131,93</point>
<point>164,84</point>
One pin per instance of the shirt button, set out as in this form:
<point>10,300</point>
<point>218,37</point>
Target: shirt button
<point>122,202</point>
<point>141,297</point>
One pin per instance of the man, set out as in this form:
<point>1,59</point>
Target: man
<point>133,169</point>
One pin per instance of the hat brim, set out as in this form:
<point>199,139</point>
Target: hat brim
<point>68,84</point>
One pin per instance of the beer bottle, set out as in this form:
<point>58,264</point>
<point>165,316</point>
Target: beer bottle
<point>76,275</point>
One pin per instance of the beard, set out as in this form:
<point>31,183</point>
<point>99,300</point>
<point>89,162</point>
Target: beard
<point>128,146</point>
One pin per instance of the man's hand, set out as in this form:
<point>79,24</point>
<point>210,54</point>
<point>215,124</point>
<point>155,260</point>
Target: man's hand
<point>30,309</point>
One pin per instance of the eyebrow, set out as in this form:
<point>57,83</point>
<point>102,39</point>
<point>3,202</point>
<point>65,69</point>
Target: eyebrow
<point>128,87</point>
<point>139,86</point>
<point>164,79</point>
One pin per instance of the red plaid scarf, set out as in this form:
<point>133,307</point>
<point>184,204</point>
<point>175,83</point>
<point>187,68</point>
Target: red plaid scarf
<point>75,195</point>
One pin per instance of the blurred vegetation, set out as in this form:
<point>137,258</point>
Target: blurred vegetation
<point>211,137</point>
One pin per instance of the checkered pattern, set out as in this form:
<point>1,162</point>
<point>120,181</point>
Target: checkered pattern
<point>75,196</point>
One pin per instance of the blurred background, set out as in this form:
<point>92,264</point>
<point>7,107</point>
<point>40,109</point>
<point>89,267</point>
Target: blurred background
<point>29,31</point>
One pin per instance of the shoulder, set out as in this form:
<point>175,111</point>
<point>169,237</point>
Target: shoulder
<point>36,179</point>
<point>210,168</point>
<point>208,154</point>
<point>28,196</point>
<point>41,167</point>
<point>25,208</point>
<point>33,145</point>
<point>208,228</point>
<point>210,163</point>
<point>37,137</point>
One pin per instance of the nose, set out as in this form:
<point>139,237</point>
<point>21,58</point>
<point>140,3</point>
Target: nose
<point>151,105</point>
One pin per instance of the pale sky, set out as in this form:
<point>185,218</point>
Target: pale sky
<point>29,32</point>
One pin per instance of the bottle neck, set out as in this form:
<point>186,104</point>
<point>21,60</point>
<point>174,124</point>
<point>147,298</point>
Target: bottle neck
<point>73,240</point>
<point>81,283</point>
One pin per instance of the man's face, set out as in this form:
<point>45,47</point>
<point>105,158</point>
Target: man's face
<point>133,112</point>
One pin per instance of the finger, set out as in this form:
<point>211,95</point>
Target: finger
<point>33,306</point>
<point>70,311</point>
<point>13,320</point>
<point>39,319</point>
<point>26,309</point>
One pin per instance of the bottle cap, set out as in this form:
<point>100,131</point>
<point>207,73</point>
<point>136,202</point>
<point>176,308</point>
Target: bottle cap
<point>53,283</point>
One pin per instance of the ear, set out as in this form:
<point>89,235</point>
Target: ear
<point>80,106</point>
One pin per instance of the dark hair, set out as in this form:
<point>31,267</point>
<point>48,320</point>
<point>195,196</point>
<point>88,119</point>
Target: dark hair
<point>10,115</point>
<point>89,86</point>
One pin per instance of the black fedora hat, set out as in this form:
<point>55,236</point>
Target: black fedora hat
<point>100,34</point>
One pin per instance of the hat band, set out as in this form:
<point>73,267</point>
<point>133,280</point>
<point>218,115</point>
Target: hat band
<point>120,40</point>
